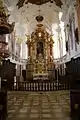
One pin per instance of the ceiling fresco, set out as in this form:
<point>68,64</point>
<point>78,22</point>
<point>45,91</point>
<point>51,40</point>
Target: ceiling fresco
<point>25,12</point>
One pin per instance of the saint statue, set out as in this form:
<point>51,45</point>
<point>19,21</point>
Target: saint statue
<point>39,48</point>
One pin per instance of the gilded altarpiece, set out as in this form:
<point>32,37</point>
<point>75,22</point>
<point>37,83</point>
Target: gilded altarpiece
<point>40,56</point>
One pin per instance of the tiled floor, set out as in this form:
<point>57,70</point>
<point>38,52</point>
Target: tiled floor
<point>38,106</point>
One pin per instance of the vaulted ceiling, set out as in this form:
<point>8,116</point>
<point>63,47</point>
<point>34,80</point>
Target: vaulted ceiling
<point>24,16</point>
<point>38,2</point>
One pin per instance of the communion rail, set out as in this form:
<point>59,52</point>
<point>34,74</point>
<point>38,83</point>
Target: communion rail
<point>39,86</point>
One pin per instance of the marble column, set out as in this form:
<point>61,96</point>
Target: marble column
<point>28,50</point>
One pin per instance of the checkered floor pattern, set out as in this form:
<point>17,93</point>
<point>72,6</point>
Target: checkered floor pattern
<point>38,105</point>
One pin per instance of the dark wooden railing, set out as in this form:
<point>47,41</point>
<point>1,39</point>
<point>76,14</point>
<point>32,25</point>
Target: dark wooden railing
<point>39,86</point>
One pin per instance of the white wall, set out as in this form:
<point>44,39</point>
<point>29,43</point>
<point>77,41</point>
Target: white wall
<point>75,52</point>
<point>24,51</point>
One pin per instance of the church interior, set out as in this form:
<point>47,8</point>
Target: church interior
<point>40,59</point>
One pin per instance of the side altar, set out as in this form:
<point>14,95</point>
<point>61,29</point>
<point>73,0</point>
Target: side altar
<point>40,65</point>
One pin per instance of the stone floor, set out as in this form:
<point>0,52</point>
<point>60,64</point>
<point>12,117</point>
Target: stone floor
<point>38,106</point>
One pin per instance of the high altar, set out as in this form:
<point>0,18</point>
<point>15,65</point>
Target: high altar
<point>40,64</point>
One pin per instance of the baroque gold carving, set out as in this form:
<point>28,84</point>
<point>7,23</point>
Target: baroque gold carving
<point>40,51</point>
